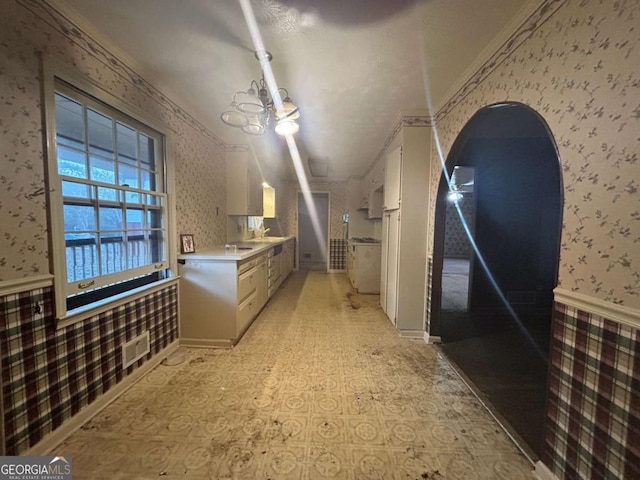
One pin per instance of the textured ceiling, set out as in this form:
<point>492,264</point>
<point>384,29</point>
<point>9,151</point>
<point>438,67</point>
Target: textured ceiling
<point>352,66</point>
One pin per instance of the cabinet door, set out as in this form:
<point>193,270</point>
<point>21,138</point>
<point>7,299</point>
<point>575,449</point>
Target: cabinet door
<point>256,206</point>
<point>383,261</point>
<point>351,265</point>
<point>393,179</point>
<point>393,244</point>
<point>244,185</point>
<point>375,203</point>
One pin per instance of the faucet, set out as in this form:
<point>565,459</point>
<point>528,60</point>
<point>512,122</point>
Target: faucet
<point>264,232</point>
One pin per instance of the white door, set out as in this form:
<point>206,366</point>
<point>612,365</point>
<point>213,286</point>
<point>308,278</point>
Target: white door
<point>312,240</point>
<point>383,262</point>
<point>392,179</point>
<point>393,242</point>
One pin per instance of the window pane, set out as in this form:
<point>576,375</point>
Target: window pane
<point>69,122</point>
<point>135,221</point>
<point>102,170</point>
<point>108,194</point>
<point>82,257</point>
<point>128,160</point>
<point>73,189</point>
<point>71,163</point>
<point>126,141</point>
<point>148,180</point>
<point>157,249</point>
<point>146,151</point>
<point>154,219</point>
<point>110,219</point>
<point>127,175</point>
<point>137,252</point>
<point>79,218</point>
<point>112,252</point>
<point>155,200</point>
<point>100,133</point>
<point>133,198</point>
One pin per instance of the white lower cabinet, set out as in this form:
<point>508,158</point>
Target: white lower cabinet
<point>219,298</point>
<point>363,266</point>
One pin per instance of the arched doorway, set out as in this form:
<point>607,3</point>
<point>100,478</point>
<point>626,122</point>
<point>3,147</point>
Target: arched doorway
<point>510,197</point>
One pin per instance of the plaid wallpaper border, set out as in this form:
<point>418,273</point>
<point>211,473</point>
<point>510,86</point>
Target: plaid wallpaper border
<point>428,295</point>
<point>49,375</point>
<point>593,409</point>
<point>337,254</point>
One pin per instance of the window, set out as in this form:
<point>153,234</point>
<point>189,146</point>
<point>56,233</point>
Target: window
<point>110,203</point>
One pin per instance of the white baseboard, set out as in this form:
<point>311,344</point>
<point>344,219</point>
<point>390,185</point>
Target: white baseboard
<point>55,438</point>
<point>542,472</point>
<point>411,333</point>
<point>205,343</point>
<point>431,339</point>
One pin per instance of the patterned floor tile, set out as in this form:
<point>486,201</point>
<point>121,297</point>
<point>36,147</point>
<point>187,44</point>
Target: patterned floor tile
<point>315,389</point>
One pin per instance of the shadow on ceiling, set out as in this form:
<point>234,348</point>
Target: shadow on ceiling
<point>349,12</point>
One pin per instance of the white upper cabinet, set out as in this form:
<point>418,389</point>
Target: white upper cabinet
<point>269,202</point>
<point>244,185</point>
<point>375,206</point>
<point>392,179</point>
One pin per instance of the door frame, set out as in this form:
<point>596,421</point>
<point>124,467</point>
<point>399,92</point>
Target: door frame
<point>465,134</point>
<point>299,193</point>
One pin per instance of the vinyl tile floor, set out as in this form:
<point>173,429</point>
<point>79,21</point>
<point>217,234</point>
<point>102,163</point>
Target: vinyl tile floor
<point>320,386</point>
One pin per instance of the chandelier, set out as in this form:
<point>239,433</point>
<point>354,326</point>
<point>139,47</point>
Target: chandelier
<point>252,111</point>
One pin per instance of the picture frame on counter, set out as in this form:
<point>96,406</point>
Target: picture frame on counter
<point>187,244</point>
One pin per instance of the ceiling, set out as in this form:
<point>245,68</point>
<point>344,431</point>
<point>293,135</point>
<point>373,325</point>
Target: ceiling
<point>351,66</point>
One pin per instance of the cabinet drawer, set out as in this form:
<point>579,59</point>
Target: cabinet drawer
<point>246,311</point>
<point>247,265</point>
<point>247,283</point>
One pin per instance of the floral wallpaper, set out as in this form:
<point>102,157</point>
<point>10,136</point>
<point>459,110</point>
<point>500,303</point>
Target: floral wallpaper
<point>201,190</point>
<point>35,29</point>
<point>575,63</point>
<point>456,241</point>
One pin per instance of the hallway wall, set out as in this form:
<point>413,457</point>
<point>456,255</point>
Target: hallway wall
<point>573,61</point>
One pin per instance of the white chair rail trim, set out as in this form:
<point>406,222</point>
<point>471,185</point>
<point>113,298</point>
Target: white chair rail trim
<point>9,287</point>
<point>619,313</point>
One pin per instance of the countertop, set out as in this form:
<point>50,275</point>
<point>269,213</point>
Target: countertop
<point>369,244</point>
<point>256,245</point>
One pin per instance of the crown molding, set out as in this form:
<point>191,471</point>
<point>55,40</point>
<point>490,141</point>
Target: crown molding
<point>66,20</point>
<point>529,18</point>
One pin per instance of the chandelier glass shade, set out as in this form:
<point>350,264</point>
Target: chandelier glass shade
<point>253,109</point>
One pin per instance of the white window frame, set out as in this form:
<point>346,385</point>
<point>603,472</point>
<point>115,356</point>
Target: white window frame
<point>54,75</point>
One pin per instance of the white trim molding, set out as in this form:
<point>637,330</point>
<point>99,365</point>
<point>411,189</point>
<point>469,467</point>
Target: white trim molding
<point>19,285</point>
<point>411,333</point>
<point>110,303</point>
<point>612,311</point>
<point>542,472</point>
<point>55,438</point>
<point>431,339</point>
